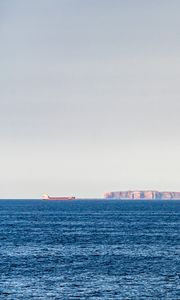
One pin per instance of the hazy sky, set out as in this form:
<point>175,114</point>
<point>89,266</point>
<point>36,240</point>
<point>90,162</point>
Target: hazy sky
<point>89,96</point>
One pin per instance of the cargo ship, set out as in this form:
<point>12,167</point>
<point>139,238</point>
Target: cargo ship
<point>47,197</point>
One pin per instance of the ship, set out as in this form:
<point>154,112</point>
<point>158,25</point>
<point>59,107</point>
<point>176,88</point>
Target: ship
<point>47,197</point>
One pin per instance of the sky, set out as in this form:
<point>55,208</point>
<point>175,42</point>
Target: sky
<point>89,96</point>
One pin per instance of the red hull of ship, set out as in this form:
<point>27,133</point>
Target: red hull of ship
<point>46,197</point>
<point>60,198</point>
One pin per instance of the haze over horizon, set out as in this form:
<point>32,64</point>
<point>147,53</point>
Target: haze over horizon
<point>89,95</point>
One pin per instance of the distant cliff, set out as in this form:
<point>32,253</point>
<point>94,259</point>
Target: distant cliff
<point>153,195</point>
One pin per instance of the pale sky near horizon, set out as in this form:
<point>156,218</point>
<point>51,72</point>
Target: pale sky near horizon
<point>89,96</point>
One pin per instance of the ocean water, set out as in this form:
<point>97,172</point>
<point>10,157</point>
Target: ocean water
<point>89,250</point>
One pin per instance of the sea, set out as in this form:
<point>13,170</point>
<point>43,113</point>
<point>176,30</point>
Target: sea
<point>89,249</point>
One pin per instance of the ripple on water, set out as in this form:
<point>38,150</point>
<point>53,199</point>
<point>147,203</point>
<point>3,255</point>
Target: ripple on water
<point>89,250</point>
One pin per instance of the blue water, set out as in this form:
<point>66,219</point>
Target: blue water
<point>89,250</point>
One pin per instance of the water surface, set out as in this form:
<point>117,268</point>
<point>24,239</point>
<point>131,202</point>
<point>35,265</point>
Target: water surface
<point>123,250</point>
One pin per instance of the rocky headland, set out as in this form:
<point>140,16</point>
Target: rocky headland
<point>143,194</point>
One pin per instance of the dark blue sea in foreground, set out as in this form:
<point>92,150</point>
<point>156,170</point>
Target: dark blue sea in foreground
<point>89,250</point>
